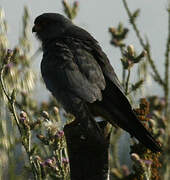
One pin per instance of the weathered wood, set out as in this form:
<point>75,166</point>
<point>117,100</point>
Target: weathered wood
<point>88,160</point>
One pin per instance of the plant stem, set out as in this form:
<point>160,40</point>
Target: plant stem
<point>114,147</point>
<point>127,82</point>
<point>157,75</point>
<point>152,64</point>
<point>133,24</point>
<point>123,70</point>
<point>2,82</point>
<point>11,102</point>
<point>123,76</point>
<point>167,57</point>
<point>13,111</point>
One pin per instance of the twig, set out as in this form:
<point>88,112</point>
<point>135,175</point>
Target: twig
<point>114,147</point>
<point>123,69</point>
<point>157,75</point>
<point>127,82</point>
<point>11,101</point>
<point>37,52</point>
<point>133,23</point>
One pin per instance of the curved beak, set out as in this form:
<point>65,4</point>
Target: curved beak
<point>36,28</point>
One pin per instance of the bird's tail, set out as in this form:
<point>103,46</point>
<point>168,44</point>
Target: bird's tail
<point>122,114</point>
<point>144,136</point>
<point>130,123</point>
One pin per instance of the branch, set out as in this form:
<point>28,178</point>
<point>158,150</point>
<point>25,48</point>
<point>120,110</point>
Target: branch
<point>127,82</point>
<point>157,76</point>
<point>145,46</point>
<point>11,101</point>
<point>131,18</point>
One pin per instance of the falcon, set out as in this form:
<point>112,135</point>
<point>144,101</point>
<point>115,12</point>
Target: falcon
<point>79,75</point>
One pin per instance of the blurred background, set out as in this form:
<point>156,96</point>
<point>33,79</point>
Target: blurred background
<point>28,145</point>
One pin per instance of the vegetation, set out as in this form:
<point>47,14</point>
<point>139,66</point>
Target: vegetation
<point>31,134</point>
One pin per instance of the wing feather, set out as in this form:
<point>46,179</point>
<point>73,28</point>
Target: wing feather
<point>77,72</point>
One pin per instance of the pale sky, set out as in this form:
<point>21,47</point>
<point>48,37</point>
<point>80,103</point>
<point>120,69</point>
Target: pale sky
<point>96,16</point>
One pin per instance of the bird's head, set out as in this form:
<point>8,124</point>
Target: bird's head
<point>50,25</point>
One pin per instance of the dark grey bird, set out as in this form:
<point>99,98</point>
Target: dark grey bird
<point>81,78</point>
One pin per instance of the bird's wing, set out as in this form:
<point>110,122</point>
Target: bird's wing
<point>91,45</point>
<point>79,72</point>
<point>114,100</point>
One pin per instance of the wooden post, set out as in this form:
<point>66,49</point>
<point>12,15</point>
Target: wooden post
<point>88,160</point>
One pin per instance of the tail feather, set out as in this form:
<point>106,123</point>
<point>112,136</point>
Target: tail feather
<point>142,134</point>
<point>130,123</point>
<point>115,102</point>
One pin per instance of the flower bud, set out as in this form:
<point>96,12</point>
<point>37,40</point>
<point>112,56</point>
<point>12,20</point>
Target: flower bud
<point>152,123</point>
<point>60,134</point>
<point>161,131</point>
<point>56,110</point>
<point>148,162</point>
<point>23,114</point>
<point>65,160</point>
<point>131,50</point>
<point>45,114</point>
<point>112,30</point>
<point>38,158</point>
<point>144,53</point>
<point>135,157</point>
<point>40,136</point>
<point>9,52</point>
<point>8,56</point>
<point>76,4</point>
<point>48,162</point>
